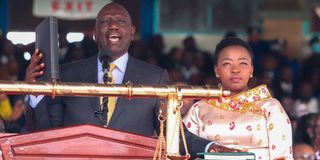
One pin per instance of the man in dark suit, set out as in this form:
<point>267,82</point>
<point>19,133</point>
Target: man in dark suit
<point>114,30</point>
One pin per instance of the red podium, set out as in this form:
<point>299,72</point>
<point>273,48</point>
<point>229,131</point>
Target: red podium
<point>78,142</point>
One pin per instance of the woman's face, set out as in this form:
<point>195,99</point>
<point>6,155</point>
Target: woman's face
<point>234,68</point>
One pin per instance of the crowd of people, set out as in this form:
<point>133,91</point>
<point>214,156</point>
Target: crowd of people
<point>294,82</point>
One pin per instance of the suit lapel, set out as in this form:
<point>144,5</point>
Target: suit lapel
<point>133,75</point>
<point>89,74</point>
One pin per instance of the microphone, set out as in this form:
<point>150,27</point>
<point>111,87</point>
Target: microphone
<point>105,56</point>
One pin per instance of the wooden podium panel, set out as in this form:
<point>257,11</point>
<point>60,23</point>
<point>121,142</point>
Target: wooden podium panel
<point>78,142</point>
<point>2,135</point>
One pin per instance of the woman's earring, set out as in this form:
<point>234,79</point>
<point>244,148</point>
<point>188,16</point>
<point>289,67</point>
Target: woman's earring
<point>217,76</point>
<point>251,76</point>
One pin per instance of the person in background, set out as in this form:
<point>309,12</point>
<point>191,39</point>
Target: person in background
<point>190,47</point>
<point>9,113</point>
<point>306,102</point>
<point>315,136</point>
<point>248,119</point>
<point>88,44</point>
<point>64,45</point>
<point>302,151</point>
<point>304,128</point>
<point>259,46</point>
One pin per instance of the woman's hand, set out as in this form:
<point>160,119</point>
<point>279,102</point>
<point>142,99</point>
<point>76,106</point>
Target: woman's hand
<point>220,148</point>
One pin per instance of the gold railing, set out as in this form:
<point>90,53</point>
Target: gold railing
<point>173,94</point>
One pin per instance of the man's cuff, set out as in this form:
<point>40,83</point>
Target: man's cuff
<point>208,146</point>
<point>34,100</point>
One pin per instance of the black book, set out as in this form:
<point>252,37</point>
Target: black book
<point>47,43</point>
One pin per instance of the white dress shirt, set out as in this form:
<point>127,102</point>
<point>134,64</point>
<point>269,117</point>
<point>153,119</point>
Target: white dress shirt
<point>118,74</point>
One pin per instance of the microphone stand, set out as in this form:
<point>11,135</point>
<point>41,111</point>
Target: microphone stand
<point>103,110</point>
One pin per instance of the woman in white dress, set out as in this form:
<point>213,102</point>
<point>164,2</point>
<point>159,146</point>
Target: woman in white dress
<point>249,119</point>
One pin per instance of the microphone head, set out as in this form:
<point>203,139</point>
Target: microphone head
<point>105,54</point>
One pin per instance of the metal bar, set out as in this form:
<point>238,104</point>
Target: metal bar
<point>92,89</point>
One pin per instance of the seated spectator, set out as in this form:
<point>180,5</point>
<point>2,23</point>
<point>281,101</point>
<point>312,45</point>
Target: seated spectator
<point>306,102</point>
<point>302,133</point>
<point>9,113</point>
<point>259,46</point>
<point>315,136</point>
<point>303,151</point>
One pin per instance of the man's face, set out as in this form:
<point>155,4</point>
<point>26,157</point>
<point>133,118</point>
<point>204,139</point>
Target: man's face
<point>114,29</point>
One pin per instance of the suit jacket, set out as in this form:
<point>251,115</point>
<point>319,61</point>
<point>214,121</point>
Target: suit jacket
<point>138,115</point>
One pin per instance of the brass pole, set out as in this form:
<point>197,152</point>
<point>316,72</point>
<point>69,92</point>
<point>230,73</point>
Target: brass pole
<point>92,89</point>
